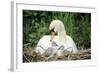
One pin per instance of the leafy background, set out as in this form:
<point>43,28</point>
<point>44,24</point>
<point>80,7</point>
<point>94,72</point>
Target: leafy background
<point>36,24</point>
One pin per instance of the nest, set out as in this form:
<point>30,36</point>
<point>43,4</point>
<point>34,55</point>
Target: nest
<point>29,55</point>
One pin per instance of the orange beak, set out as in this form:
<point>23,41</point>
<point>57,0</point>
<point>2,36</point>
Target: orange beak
<point>52,35</point>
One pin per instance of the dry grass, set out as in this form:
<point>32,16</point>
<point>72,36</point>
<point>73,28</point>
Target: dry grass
<point>29,55</point>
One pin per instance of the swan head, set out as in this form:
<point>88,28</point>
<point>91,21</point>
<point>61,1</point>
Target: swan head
<point>57,25</point>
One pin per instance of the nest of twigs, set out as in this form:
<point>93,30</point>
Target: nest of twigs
<point>29,55</point>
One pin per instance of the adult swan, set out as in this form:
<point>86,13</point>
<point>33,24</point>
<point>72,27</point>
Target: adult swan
<point>56,44</point>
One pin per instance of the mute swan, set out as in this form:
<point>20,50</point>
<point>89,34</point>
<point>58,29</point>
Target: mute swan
<point>61,39</point>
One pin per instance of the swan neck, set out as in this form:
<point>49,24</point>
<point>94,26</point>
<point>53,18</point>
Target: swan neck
<point>62,36</point>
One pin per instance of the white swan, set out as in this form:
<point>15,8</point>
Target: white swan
<point>61,39</point>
